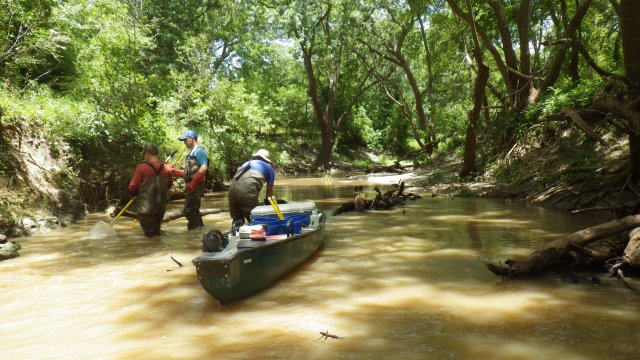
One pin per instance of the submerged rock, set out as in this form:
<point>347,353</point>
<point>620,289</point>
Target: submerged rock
<point>8,250</point>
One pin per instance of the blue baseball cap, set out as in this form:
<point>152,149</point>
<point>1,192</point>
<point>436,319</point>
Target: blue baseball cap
<point>188,134</point>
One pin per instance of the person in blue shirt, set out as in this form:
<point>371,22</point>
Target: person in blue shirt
<point>194,173</point>
<point>246,185</point>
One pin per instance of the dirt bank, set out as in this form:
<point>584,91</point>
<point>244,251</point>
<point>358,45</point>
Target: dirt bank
<point>38,189</point>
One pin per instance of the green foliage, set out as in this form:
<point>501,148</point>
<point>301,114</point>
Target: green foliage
<point>359,131</point>
<point>436,177</point>
<point>107,76</point>
<point>30,46</point>
<point>565,95</point>
<point>465,192</point>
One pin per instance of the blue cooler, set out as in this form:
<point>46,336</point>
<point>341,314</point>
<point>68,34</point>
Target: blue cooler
<point>293,224</point>
<point>298,212</point>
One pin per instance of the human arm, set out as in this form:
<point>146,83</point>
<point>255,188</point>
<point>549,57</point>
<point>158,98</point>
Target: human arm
<point>197,178</point>
<point>168,173</point>
<point>174,172</point>
<point>136,181</point>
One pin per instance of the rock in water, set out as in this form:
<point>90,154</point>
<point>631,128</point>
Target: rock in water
<point>9,250</point>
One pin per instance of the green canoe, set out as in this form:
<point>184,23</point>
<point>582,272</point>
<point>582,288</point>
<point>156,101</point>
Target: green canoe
<point>232,274</point>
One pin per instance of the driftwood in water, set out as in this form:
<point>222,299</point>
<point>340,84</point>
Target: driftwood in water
<point>630,260</point>
<point>167,217</point>
<point>388,200</point>
<point>326,335</point>
<point>558,250</point>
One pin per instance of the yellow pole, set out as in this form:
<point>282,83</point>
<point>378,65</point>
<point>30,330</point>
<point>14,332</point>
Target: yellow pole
<point>178,157</point>
<point>122,211</point>
<point>274,205</point>
<point>277,206</point>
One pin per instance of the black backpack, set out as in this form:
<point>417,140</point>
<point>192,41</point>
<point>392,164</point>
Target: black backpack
<point>214,241</point>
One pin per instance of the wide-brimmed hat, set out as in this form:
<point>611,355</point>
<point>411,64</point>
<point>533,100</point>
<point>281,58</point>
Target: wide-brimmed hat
<point>188,134</point>
<point>263,154</point>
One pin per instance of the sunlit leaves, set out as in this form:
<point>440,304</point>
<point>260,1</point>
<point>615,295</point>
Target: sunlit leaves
<point>30,47</point>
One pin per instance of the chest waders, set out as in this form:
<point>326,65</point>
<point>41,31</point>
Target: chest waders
<point>153,193</point>
<point>192,200</point>
<point>152,202</point>
<point>243,192</point>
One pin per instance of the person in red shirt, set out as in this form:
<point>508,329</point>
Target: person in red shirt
<point>151,182</point>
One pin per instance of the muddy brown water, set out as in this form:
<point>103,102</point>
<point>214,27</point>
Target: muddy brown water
<point>402,284</point>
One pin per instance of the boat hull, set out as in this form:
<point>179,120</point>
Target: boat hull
<point>255,266</point>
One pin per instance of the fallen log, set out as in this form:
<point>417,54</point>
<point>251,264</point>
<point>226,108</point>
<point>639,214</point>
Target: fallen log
<point>386,201</point>
<point>556,251</point>
<point>578,120</point>
<point>167,217</point>
<point>590,257</point>
<point>178,214</point>
<point>629,262</point>
<point>395,168</point>
<point>632,251</point>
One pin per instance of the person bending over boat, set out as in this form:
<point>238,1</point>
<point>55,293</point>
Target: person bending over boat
<point>150,182</point>
<point>246,185</point>
<point>194,173</point>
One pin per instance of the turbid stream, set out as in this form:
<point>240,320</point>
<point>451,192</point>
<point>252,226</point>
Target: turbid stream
<point>402,284</point>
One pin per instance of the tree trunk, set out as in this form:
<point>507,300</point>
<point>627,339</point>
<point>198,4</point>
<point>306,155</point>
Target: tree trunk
<point>323,159</point>
<point>487,42</point>
<point>630,33</point>
<point>623,110</point>
<point>431,136</point>
<point>471,139</point>
<point>324,118</point>
<point>482,77</point>
<point>525,84</point>
<point>560,53</point>
<point>553,253</point>
<point>417,95</point>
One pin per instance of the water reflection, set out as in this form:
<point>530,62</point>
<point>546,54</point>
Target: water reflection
<point>408,283</point>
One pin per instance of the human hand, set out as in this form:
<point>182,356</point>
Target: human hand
<point>177,172</point>
<point>194,182</point>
